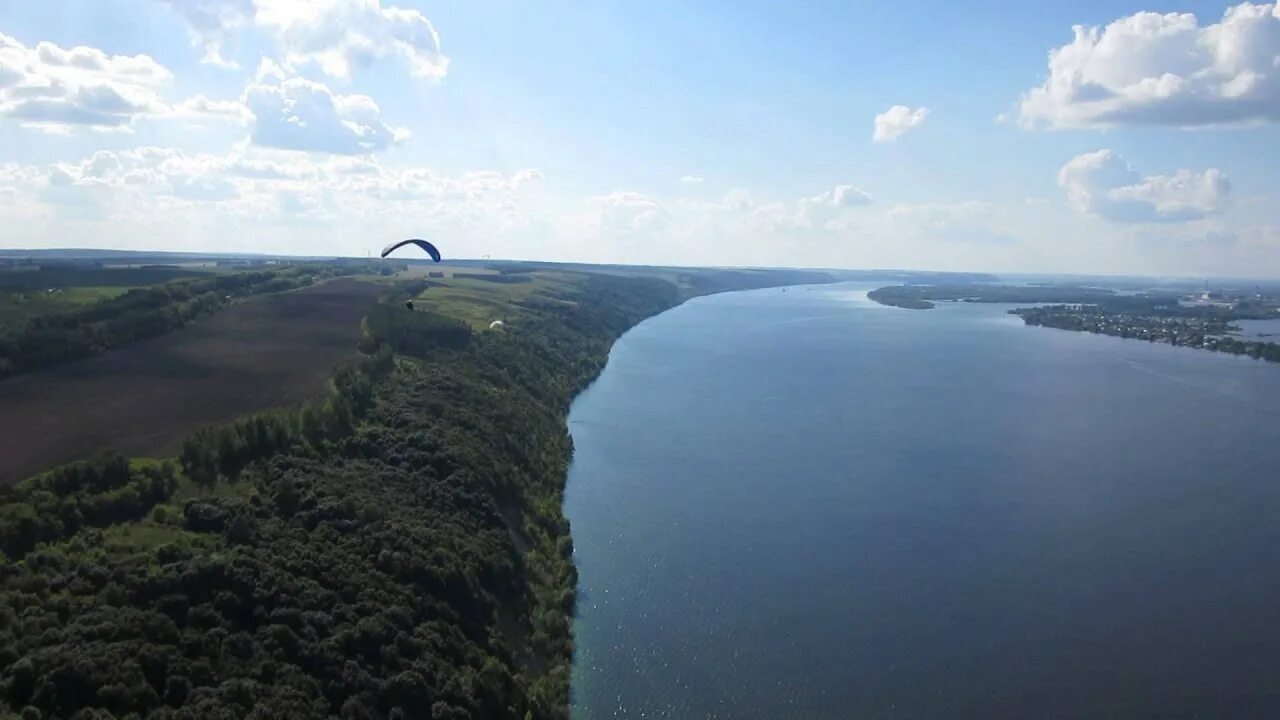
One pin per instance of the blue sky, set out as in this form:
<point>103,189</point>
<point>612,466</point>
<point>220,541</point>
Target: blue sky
<point>726,133</point>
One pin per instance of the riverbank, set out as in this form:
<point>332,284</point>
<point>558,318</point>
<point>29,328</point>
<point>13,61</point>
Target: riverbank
<point>396,549</point>
<point>1202,332</point>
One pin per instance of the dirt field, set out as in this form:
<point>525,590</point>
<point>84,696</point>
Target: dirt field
<point>270,351</point>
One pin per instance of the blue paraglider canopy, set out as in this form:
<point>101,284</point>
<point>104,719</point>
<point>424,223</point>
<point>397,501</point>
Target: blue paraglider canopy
<point>431,249</point>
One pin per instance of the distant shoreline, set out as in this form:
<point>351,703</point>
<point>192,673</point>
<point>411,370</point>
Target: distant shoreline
<point>1164,317</point>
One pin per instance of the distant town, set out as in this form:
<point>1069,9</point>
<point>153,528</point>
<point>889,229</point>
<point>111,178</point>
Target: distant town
<point>1210,319</point>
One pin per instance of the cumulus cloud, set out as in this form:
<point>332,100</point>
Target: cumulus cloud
<point>48,86</point>
<point>1101,183</point>
<point>257,199</point>
<point>270,185</point>
<point>162,171</point>
<point>299,114</point>
<point>339,35</point>
<point>54,89</point>
<point>892,123</point>
<point>828,206</point>
<point>841,196</point>
<point>108,182</point>
<point>1154,69</point>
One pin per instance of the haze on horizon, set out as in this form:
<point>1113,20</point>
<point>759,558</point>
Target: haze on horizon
<point>1100,137</point>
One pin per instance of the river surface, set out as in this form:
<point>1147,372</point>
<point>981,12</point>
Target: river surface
<point>803,504</point>
<point>1264,330</point>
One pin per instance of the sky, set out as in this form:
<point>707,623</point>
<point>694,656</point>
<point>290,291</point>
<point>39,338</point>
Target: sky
<point>1084,137</point>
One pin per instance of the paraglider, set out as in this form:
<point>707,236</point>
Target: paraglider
<point>496,324</point>
<point>428,247</point>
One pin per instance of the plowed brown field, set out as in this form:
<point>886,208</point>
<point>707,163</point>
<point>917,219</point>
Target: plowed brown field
<point>269,351</point>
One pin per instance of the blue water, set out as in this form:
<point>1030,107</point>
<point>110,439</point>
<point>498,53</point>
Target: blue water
<point>803,504</point>
<point>1265,330</point>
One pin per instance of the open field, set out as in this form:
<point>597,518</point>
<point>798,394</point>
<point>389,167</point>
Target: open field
<point>266,352</point>
<point>29,292</point>
<point>479,302</point>
<point>22,306</point>
<point>442,270</point>
<point>269,351</point>
<point>56,277</point>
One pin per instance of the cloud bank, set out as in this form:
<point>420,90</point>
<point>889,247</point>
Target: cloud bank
<point>1154,69</point>
<point>1101,183</point>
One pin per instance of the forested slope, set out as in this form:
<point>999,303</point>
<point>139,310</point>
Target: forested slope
<point>395,551</point>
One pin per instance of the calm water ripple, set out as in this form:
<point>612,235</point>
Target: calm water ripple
<point>803,504</point>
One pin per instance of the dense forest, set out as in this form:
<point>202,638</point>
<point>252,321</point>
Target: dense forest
<point>396,550</point>
<point>140,313</point>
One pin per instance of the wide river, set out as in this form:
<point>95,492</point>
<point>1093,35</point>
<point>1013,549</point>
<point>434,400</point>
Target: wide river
<point>803,504</point>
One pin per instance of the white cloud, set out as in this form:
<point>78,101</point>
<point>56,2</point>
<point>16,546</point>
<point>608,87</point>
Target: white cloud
<point>56,90</point>
<point>1101,183</point>
<point>523,177</point>
<point>157,171</point>
<point>841,196</point>
<point>204,189</point>
<point>261,169</point>
<point>892,123</point>
<point>837,227</point>
<point>50,87</point>
<point>300,114</point>
<point>339,35</point>
<point>212,23</point>
<point>964,222</point>
<point>741,213</point>
<point>828,206</point>
<point>262,200</point>
<point>691,180</point>
<point>202,108</point>
<point>628,212</point>
<point>1153,69</point>
<point>294,197</point>
<point>129,182</point>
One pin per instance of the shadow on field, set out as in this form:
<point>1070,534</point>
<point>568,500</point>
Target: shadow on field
<point>142,400</point>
